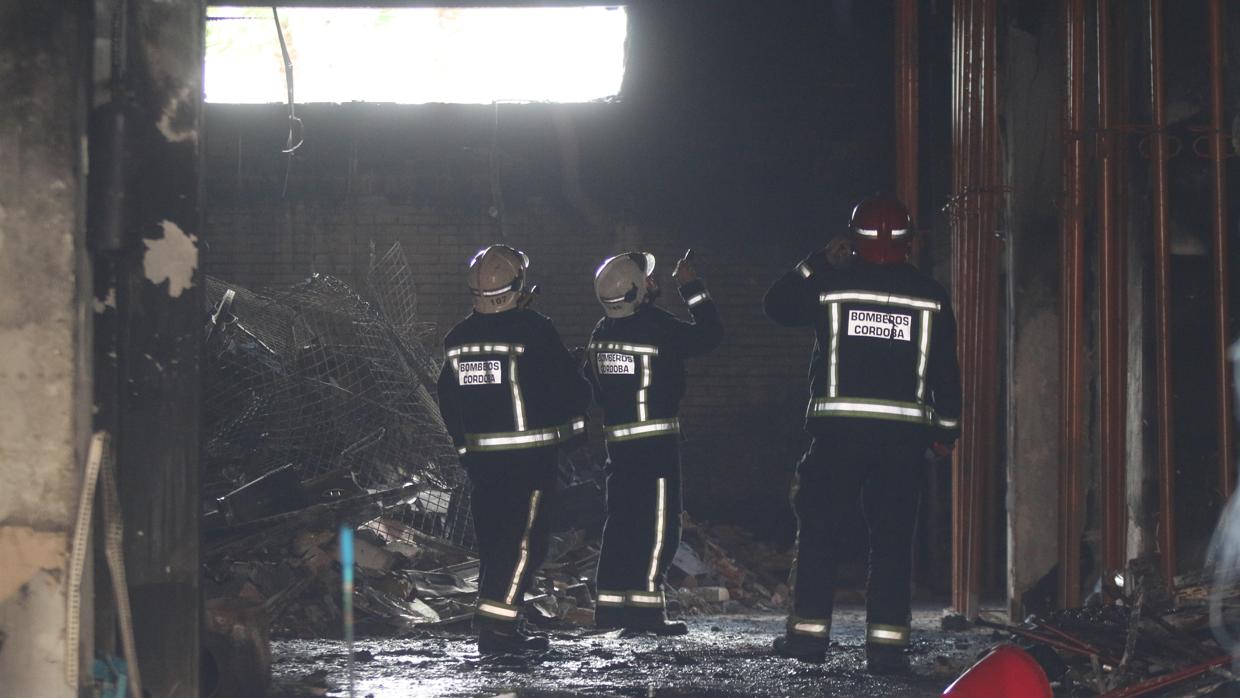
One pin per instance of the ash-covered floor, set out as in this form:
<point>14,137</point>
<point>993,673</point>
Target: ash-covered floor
<point>722,656</point>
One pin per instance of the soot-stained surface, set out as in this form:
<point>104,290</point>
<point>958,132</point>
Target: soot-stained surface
<point>721,657</point>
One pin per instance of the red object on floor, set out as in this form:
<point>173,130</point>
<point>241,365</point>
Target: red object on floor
<point>1007,671</point>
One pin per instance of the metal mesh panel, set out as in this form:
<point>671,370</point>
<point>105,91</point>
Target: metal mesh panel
<point>337,384</point>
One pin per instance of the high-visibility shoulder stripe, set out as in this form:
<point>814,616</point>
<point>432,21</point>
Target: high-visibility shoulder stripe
<point>946,423</point>
<point>804,270</point>
<point>485,349</point>
<point>624,346</point>
<point>877,298</point>
<point>695,299</point>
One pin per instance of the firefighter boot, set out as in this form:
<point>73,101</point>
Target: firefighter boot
<point>801,648</point>
<point>509,641</point>
<point>653,621</point>
<point>609,617</point>
<point>885,659</point>
<point>662,628</point>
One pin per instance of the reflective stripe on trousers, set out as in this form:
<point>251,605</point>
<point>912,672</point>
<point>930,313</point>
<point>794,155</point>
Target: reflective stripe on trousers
<point>645,599</point>
<point>497,610</point>
<point>524,557</point>
<point>660,512</point>
<point>880,634</point>
<point>812,627</point>
<point>610,598</point>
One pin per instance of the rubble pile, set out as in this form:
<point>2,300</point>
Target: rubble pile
<point>315,393</point>
<point>320,412</point>
<point>1135,636</point>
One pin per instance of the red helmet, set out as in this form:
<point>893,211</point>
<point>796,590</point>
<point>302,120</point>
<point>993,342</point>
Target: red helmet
<point>881,230</point>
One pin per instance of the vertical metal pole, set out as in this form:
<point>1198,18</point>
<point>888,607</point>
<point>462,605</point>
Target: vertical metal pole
<point>1222,288</point>
<point>961,215</point>
<point>975,175</point>
<point>1112,330</point>
<point>991,189</point>
<point>1162,299</point>
<point>1072,313</point>
<point>906,105</point>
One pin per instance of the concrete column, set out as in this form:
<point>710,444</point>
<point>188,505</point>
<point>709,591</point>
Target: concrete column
<point>1033,84</point>
<point>45,329</point>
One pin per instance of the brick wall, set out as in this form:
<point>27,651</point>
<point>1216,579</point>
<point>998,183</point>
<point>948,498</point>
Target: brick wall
<point>741,414</point>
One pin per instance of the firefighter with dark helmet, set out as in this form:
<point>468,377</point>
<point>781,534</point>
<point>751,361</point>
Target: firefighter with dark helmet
<point>510,395</point>
<point>885,386</point>
<point>636,365</point>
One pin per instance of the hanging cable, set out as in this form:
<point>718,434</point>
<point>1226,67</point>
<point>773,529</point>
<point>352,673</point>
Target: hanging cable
<point>296,132</point>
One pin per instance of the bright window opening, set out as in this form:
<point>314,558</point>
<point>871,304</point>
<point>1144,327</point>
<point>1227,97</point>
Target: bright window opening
<point>416,56</point>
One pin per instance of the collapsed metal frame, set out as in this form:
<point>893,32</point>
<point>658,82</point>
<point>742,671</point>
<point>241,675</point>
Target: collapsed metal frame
<point>974,214</point>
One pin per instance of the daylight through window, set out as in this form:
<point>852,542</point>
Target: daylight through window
<point>417,55</point>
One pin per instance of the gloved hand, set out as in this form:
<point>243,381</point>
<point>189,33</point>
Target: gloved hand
<point>943,451</point>
<point>839,252</point>
<point>836,254</point>
<point>684,273</point>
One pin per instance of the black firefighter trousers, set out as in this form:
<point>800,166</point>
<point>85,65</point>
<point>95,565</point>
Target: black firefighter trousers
<point>642,531</point>
<point>512,494</point>
<point>883,466</point>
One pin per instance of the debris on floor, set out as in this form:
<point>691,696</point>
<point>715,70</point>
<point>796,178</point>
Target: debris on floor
<point>320,411</point>
<point>1136,636</point>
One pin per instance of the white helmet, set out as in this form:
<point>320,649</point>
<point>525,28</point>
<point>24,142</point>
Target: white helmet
<point>620,282</point>
<point>497,278</point>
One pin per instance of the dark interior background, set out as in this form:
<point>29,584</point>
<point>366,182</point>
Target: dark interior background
<point>744,130</point>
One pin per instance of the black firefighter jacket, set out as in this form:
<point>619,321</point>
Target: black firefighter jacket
<point>636,364</point>
<point>885,349</point>
<point>508,383</point>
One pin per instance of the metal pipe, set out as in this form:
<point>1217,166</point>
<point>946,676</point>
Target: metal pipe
<point>987,388</point>
<point>1162,299</point>
<point>968,270</point>
<point>957,216</point>
<point>1112,331</point>
<point>906,99</point>
<point>975,173</point>
<point>1222,288</point>
<point>1072,313</point>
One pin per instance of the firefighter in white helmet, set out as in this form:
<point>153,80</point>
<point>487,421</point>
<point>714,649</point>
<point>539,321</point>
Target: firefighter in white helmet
<point>885,386</point>
<point>636,365</point>
<point>510,395</point>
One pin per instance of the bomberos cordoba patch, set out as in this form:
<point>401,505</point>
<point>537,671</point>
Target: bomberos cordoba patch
<point>879,325</point>
<point>610,364</point>
<point>479,373</point>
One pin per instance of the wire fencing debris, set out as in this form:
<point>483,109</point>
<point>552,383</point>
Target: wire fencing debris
<point>338,385</point>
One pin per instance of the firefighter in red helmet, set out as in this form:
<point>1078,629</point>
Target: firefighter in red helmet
<point>885,386</point>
